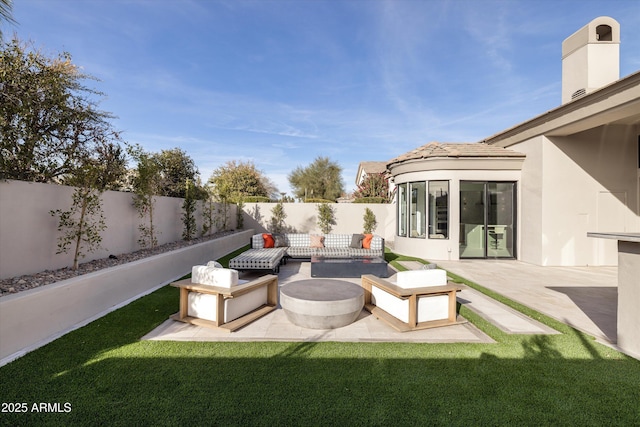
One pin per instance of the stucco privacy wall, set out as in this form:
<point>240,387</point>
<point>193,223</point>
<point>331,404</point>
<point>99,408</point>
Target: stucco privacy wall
<point>303,218</point>
<point>35,317</point>
<point>29,236</point>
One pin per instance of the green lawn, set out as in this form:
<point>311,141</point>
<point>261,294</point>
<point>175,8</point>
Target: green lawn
<point>109,377</point>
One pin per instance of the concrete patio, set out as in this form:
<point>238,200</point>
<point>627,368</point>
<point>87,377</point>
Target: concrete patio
<point>584,298</point>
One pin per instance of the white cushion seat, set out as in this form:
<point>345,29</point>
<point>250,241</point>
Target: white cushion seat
<point>416,299</point>
<point>215,297</point>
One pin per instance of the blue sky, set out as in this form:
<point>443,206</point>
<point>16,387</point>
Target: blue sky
<point>281,82</point>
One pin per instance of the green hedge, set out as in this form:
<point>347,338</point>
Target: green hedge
<point>371,200</point>
<point>257,199</point>
<point>319,201</point>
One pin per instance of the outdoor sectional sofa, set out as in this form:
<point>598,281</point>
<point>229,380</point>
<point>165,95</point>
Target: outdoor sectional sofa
<point>304,246</point>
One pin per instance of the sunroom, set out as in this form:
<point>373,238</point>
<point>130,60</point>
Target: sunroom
<point>457,201</point>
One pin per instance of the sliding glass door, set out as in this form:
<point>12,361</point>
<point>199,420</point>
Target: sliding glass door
<point>487,219</point>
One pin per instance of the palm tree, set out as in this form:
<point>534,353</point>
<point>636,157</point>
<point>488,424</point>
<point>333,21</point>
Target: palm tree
<point>6,7</point>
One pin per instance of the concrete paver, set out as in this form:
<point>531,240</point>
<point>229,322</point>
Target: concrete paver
<point>582,297</point>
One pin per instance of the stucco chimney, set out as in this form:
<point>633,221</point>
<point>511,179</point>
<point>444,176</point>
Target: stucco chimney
<point>590,58</point>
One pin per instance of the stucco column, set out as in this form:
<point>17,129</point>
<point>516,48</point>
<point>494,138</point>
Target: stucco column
<point>628,290</point>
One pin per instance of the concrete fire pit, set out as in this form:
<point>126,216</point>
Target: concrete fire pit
<point>322,303</point>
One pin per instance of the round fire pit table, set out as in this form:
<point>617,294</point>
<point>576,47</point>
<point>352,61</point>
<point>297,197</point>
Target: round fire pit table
<point>322,303</point>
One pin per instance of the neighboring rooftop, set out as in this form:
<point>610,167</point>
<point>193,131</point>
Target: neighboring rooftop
<point>369,168</point>
<point>449,150</point>
<point>374,167</point>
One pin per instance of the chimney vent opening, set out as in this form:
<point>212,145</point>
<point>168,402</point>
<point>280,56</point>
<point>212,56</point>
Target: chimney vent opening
<point>578,93</point>
<point>604,33</point>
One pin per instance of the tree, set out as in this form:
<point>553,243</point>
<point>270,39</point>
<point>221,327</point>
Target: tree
<point>320,180</point>
<point>82,224</point>
<point>278,215</point>
<point>48,118</point>
<point>146,185</point>
<point>239,215</point>
<point>236,180</point>
<point>373,185</point>
<point>208,211</point>
<point>370,221</point>
<point>176,167</point>
<point>326,217</point>
<point>188,211</point>
<point>6,7</point>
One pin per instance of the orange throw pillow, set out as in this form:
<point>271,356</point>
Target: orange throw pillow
<point>366,242</point>
<point>268,241</point>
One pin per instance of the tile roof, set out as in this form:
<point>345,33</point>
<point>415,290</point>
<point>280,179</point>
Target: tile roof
<point>374,167</point>
<point>438,149</point>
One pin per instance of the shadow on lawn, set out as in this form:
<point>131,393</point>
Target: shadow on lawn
<point>110,377</point>
<point>295,388</point>
<point>540,347</point>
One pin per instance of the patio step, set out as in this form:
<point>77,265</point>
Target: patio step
<point>503,317</point>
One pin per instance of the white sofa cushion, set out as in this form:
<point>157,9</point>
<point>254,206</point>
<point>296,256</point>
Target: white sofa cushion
<point>430,307</point>
<point>214,276</point>
<point>397,307</point>
<point>204,306</point>
<point>433,307</point>
<point>421,278</point>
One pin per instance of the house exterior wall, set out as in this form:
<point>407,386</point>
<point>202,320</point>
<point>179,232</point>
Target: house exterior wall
<point>530,202</point>
<point>571,185</point>
<point>449,249</point>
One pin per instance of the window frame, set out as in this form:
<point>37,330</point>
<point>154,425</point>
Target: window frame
<point>434,231</point>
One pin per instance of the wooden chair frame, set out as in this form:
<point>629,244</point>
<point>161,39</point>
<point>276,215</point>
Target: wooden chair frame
<point>413,295</point>
<point>185,286</point>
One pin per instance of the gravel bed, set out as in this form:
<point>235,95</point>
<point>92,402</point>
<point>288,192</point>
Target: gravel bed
<point>22,283</point>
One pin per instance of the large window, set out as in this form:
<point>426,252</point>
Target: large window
<point>402,210</point>
<point>416,205</point>
<point>417,210</point>
<point>438,209</point>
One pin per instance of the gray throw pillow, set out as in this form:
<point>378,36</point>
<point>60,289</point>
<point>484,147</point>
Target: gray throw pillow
<point>356,241</point>
<point>281,242</point>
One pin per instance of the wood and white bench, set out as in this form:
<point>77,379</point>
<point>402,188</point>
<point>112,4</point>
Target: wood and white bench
<point>419,299</point>
<point>224,302</point>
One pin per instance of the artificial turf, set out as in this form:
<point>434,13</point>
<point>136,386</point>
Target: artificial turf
<point>102,374</point>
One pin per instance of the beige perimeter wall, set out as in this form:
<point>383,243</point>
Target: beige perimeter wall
<point>303,218</point>
<point>29,236</point>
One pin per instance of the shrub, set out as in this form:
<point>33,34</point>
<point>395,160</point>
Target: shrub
<point>370,222</point>
<point>370,200</point>
<point>326,217</point>
<point>239,216</point>
<point>278,216</point>
<point>188,211</point>
<point>319,201</point>
<point>256,199</point>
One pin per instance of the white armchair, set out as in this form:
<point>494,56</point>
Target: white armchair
<point>417,299</point>
<point>215,297</point>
